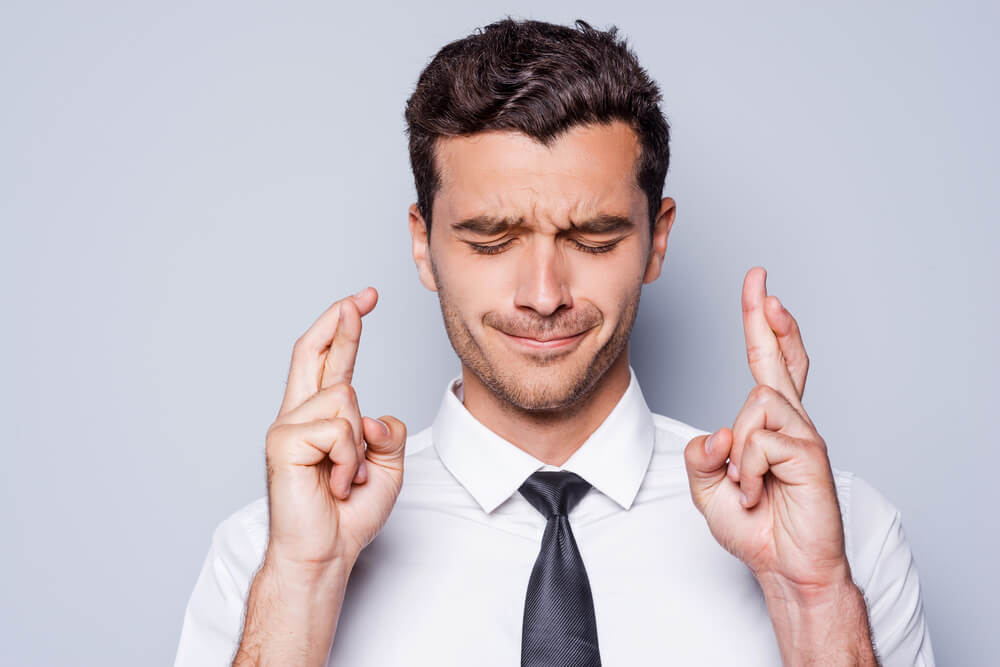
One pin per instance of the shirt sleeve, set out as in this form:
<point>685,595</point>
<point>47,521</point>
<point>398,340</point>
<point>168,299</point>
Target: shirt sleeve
<point>213,619</point>
<point>884,569</point>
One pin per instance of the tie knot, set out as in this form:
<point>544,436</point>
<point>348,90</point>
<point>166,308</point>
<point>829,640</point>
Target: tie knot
<point>554,492</point>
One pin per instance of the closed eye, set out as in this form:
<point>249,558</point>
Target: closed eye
<point>500,247</point>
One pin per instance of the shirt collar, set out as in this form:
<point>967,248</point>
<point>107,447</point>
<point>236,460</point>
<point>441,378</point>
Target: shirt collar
<point>613,459</point>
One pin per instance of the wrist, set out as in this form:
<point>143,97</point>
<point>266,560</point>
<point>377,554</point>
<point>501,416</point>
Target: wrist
<point>812,622</point>
<point>816,595</point>
<point>307,573</point>
<point>292,612</point>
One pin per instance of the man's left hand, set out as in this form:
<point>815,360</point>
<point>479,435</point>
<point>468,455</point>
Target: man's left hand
<point>774,505</point>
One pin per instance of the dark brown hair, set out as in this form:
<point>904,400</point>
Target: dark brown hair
<point>540,79</point>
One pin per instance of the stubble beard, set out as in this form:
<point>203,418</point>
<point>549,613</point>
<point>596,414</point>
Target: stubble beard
<point>560,395</point>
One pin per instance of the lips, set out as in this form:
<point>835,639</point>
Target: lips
<point>546,343</point>
<point>546,339</point>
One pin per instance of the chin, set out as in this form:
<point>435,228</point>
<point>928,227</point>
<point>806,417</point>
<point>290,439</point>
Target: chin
<point>540,385</point>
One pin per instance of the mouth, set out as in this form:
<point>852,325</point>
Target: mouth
<point>546,343</point>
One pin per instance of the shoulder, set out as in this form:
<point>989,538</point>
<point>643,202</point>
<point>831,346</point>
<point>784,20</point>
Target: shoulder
<point>884,568</point>
<point>240,539</point>
<point>214,613</point>
<point>872,525</point>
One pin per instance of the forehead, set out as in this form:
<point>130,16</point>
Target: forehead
<point>589,169</point>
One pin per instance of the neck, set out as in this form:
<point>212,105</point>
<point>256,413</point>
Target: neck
<point>550,436</point>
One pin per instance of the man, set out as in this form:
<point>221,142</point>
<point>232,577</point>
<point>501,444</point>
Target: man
<point>546,515</point>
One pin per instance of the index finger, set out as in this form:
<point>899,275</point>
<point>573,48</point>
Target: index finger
<point>767,365</point>
<point>305,373</point>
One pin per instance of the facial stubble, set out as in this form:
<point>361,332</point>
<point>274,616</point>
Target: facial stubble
<point>537,399</point>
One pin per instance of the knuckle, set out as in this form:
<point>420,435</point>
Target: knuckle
<point>344,451</point>
<point>760,393</point>
<point>347,374</point>
<point>274,434</point>
<point>341,427</point>
<point>346,303</point>
<point>342,392</point>
<point>302,347</point>
<point>758,353</point>
<point>275,450</point>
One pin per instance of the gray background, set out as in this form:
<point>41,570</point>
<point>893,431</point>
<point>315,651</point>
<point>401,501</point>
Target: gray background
<point>184,187</point>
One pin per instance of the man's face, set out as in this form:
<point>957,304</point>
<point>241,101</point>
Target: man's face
<point>538,256</point>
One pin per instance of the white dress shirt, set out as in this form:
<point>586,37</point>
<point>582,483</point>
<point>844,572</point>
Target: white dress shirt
<point>444,582</point>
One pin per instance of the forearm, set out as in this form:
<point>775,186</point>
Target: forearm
<point>291,615</point>
<point>826,628</point>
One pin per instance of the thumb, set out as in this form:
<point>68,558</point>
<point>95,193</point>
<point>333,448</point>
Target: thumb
<point>386,438</point>
<point>706,469</point>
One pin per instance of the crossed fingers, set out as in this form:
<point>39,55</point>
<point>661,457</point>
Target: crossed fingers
<point>767,431</point>
<point>772,422</point>
<point>775,351</point>
<point>326,353</point>
<point>323,361</point>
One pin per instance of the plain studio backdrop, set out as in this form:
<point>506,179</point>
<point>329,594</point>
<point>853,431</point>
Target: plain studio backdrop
<point>184,187</point>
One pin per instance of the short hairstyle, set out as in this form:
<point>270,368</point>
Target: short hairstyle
<point>540,79</point>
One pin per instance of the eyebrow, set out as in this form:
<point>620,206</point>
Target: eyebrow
<point>487,225</point>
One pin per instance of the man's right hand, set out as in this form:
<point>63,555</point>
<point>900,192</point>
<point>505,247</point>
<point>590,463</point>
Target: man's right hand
<point>328,496</point>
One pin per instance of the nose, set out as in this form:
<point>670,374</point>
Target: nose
<point>543,278</point>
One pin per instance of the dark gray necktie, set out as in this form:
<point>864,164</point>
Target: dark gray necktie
<point>559,625</point>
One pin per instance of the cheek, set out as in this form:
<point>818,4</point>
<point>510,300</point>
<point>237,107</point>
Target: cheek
<point>469,286</point>
<point>609,284</point>
<point>470,276</point>
<point>610,299</point>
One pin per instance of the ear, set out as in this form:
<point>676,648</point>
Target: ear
<point>658,247</point>
<point>421,248</point>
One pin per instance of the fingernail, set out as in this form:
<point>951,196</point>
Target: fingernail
<point>743,499</point>
<point>385,427</point>
<point>732,469</point>
<point>357,295</point>
<point>363,468</point>
<point>708,444</point>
